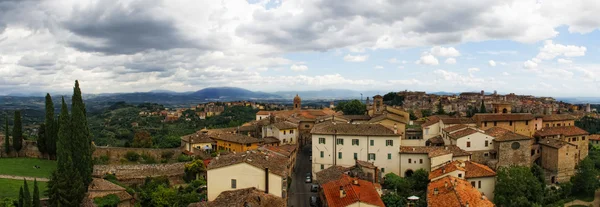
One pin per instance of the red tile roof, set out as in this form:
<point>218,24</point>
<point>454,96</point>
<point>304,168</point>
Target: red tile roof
<point>558,117</point>
<point>503,117</point>
<point>431,121</point>
<point>447,121</point>
<point>452,191</point>
<point>285,150</point>
<point>471,169</point>
<point>352,129</point>
<point>434,151</point>
<point>503,135</point>
<point>595,137</point>
<point>364,192</point>
<point>462,133</point>
<point>455,127</point>
<point>563,130</point>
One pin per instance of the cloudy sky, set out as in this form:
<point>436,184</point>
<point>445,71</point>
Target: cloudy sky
<point>543,47</point>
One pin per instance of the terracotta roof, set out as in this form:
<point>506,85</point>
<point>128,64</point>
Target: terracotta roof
<point>595,137</point>
<point>455,127</point>
<point>285,125</point>
<point>330,174</point>
<point>263,113</point>
<point>471,169</point>
<point>357,117</point>
<point>503,117</point>
<point>452,191</point>
<point>365,164</point>
<point>447,121</point>
<point>557,117</point>
<point>431,121</point>
<point>285,150</point>
<point>237,198</point>
<point>235,138</point>
<point>436,140</point>
<point>352,129</point>
<point>270,140</point>
<point>503,135</point>
<point>462,133</point>
<point>98,184</point>
<point>434,151</point>
<point>447,168</point>
<point>276,164</point>
<point>247,128</point>
<point>363,192</point>
<point>554,143</point>
<point>197,138</point>
<point>387,116</point>
<point>563,130</point>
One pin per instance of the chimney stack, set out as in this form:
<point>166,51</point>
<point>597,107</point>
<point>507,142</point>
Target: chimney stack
<point>435,191</point>
<point>446,184</point>
<point>355,182</point>
<point>342,192</point>
<point>467,204</point>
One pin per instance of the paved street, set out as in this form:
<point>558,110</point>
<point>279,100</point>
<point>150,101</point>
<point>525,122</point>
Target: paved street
<point>300,191</point>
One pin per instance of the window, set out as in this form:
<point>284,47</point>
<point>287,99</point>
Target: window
<point>420,161</point>
<point>479,184</point>
<point>389,156</point>
<point>409,160</point>
<point>321,140</point>
<point>526,122</point>
<point>426,131</point>
<point>485,154</point>
<point>248,145</point>
<point>485,123</point>
<point>356,156</point>
<point>291,140</point>
<point>468,144</point>
<point>495,123</point>
<point>371,156</point>
<point>382,170</point>
<point>473,183</point>
<point>487,143</point>
<point>510,123</point>
<point>283,132</point>
<point>339,155</point>
<point>459,175</point>
<point>340,141</point>
<point>233,183</point>
<point>515,145</point>
<point>583,138</point>
<point>322,166</point>
<point>292,131</point>
<point>284,141</point>
<point>306,126</point>
<point>547,125</point>
<point>322,154</point>
<point>389,142</point>
<point>372,142</point>
<point>354,141</point>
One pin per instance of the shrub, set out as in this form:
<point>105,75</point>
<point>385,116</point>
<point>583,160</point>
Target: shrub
<point>111,200</point>
<point>148,159</point>
<point>167,155</point>
<point>102,160</point>
<point>132,156</point>
<point>184,158</point>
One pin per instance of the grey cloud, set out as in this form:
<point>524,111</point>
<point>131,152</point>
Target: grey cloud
<point>38,62</point>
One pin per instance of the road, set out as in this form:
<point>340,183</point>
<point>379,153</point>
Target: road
<point>13,177</point>
<point>300,191</point>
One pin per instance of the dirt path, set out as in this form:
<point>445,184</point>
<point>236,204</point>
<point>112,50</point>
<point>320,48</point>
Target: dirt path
<point>596,201</point>
<point>22,177</point>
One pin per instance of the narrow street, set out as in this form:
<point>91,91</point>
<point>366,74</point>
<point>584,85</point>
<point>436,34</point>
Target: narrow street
<point>300,190</point>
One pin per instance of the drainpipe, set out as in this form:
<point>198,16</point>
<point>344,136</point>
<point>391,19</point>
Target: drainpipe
<point>267,180</point>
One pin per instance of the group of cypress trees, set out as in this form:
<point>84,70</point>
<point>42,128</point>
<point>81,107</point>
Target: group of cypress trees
<point>68,184</point>
<point>17,135</point>
<point>48,133</point>
<point>29,200</point>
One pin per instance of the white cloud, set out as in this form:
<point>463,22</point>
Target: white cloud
<point>299,67</point>
<point>471,70</point>
<point>530,64</point>
<point>505,73</point>
<point>262,69</point>
<point>404,62</point>
<point>445,51</point>
<point>564,61</point>
<point>455,78</point>
<point>356,58</point>
<point>392,60</point>
<point>378,67</point>
<point>551,51</point>
<point>400,67</point>
<point>450,61</point>
<point>492,63</point>
<point>499,52</point>
<point>427,59</point>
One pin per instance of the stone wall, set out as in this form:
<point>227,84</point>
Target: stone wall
<point>135,174</point>
<point>479,156</point>
<point>508,156</point>
<point>29,149</point>
<point>116,153</point>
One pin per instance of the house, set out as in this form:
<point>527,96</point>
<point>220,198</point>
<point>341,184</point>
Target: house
<point>285,131</point>
<point>594,140</point>
<point>243,198</point>
<point>452,191</point>
<point>198,140</point>
<point>559,159</point>
<point>511,148</point>
<point>235,142</point>
<point>348,191</point>
<point>265,171</point>
<point>287,151</point>
<point>474,141</point>
<point>570,134</point>
<point>99,188</point>
<point>343,143</point>
<point>520,123</point>
<point>428,158</point>
<point>362,170</point>
<point>557,120</point>
<point>481,177</point>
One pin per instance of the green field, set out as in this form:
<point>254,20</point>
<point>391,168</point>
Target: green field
<point>24,167</point>
<point>10,188</point>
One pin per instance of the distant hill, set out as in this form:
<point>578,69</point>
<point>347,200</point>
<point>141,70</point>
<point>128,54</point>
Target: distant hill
<point>328,94</point>
<point>230,93</point>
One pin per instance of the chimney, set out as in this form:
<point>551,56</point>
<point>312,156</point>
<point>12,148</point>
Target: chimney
<point>376,177</point>
<point>435,191</point>
<point>467,204</point>
<point>355,182</point>
<point>342,192</point>
<point>446,184</point>
<point>395,129</point>
<point>443,170</point>
<point>267,180</point>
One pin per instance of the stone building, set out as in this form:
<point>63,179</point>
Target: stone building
<point>570,134</point>
<point>511,148</point>
<point>557,120</point>
<point>559,159</point>
<point>521,123</point>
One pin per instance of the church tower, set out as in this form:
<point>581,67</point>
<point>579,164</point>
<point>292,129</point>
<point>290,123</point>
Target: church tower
<point>297,103</point>
<point>377,104</point>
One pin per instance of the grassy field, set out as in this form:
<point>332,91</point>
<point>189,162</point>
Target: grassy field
<point>10,188</point>
<point>24,167</point>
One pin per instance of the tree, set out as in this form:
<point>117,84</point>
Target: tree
<point>81,140</point>
<point>26,195</point>
<point>517,186</point>
<point>392,98</point>
<point>21,199</point>
<point>354,107</point>
<point>585,181</point>
<point>7,147</point>
<point>538,172</point>
<point>17,132</point>
<point>142,139</point>
<point>440,108</point>
<point>193,170</point>
<point>482,108</point>
<point>419,180</point>
<point>51,128</point>
<point>36,195</point>
<point>41,140</point>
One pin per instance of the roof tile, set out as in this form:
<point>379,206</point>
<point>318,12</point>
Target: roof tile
<point>364,192</point>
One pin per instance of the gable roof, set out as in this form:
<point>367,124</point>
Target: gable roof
<point>452,191</point>
<point>554,143</point>
<point>462,133</point>
<point>557,117</point>
<point>197,138</point>
<point>352,129</point>
<point>455,127</point>
<point>594,137</point>
<point>389,116</point>
<point>277,164</point>
<point>434,151</point>
<point>562,130</point>
<point>285,125</point>
<point>235,138</point>
<point>284,150</point>
<point>503,117</point>
<point>431,120</point>
<point>503,135</point>
<point>363,192</point>
<point>357,117</point>
<point>447,121</point>
<point>237,198</point>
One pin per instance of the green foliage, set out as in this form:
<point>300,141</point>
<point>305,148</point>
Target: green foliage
<point>65,187</point>
<point>471,111</point>
<point>585,181</point>
<point>111,200</point>
<point>419,180</point>
<point>426,112</point>
<point>17,132</point>
<point>482,108</point>
<point>412,115</point>
<point>41,139</point>
<point>440,108</point>
<point>21,197</point>
<point>36,195</point>
<point>51,128</point>
<point>148,159</point>
<point>538,172</point>
<point>142,139</point>
<point>589,124</point>
<point>393,99</point>
<point>184,158</point>
<point>102,160</point>
<point>132,156</point>
<point>8,202</point>
<point>354,107</point>
<point>517,186</point>
<point>81,139</point>
<point>7,147</point>
<point>193,170</point>
<point>26,195</point>
<point>402,188</point>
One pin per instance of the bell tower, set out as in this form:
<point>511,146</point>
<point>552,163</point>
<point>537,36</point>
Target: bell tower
<point>297,103</point>
<point>377,104</point>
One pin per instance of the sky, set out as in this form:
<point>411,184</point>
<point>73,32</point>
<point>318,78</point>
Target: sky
<point>536,47</point>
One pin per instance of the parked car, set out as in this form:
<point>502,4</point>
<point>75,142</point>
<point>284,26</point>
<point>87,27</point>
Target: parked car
<point>308,174</point>
<point>308,179</point>
<point>313,201</point>
<point>314,188</point>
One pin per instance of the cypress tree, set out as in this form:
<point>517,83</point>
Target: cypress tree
<point>63,144</point>
<point>482,109</point>
<point>51,129</point>
<point>26,195</point>
<point>41,140</point>
<point>82,143</point>
<point>36,195</point>
<point>17,132</point>
<point>7,148</point>
<point>21,197</point>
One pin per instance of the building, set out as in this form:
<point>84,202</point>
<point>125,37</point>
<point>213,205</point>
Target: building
<point>473,140</point>
<point>559,159</point>
<point>348,191</point>
<point>287,151</point>
<point>285,131</point>
<point>595,140</point>
<point>243,198</point>
<point>264,171</point>
<point>236,142</point>
<point>342,143</point>
<point>520,123</point>
<point>362,170</point>
<point>481,177</point>
<point>99,188</point>
<point>570,134</point>
<point>297,103</point>
<point>557,120</point>
<point>199,140</point>
<point>452,191</point>
<point>428,158</point>
<point>511,148</point>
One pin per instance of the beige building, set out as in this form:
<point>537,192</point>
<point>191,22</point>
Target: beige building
<point>474,141</point>
<point>264,171</point>
<point>285,131</point>
<point>428,158</point>
<point>557,120</point>
<point>100,188</point>
<point>559,158</point>
<point>570,134</point>
<point>243,197</point>
<point>521,123</point>
<point>199,140</point>
<point>481,177</point>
